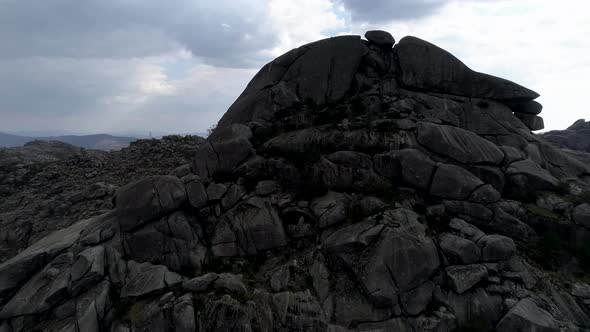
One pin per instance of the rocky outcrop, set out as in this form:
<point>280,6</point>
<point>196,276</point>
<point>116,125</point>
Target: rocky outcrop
<point>351,187</point>
<point>575,137</point>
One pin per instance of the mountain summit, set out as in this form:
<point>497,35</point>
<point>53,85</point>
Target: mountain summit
<point>353,186</point>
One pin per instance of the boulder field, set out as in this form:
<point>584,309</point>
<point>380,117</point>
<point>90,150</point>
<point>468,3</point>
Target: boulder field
<point>355,185</point>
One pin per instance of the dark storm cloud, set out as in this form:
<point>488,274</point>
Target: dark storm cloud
<point>216,31</point>
<point>387,10</point>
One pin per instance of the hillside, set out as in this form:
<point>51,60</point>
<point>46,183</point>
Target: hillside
<point>96,142</point>
<point>354,185</point>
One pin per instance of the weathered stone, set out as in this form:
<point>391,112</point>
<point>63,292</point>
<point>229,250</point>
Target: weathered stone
<point>20,268</point>
<point>487,310</point>
<point>216,190</point>
<point>472,212</point>
<point>493,176</point>
<point>415,167</point>
<point>352,159</point>
<point>175,241</point>
<point>225,149</point>
<point>266,187</point>
<point>533,122</point>
<point>401,258</point>
<point>184,314</point>
<point>42,291</point>
<point>200,283</point>
<point>197,195</point>
<point>228,314</point>
<point>582,214</point>
<point>148,199</point>
<point>359,234</point>
<point>230,283</point>
<point>394,324</point>
<point>570,308</point>
<point>453,182</point>
<point>427,67</point>
<point>322,71</point>
<point>466,230</point>
<point>528,107</point>
<point>528,316</point>
<point>92,307</point>
<point>321,279</point>
<point>298,311</point>
<point>232,196</point>
<point>248,228</point>
<point>381,38</point>
<point>511,154</point>
<point>88,269</point>
<point>146,278</point>
<point>457,248</point>
<point>535,176</point>
<point>496,247</point>
<point>416,300</point>
<point>506,224</point>
<point>463,277</point>
<point>330,209</point>
<point>485,194</point>
<point>581,290</point>
<point>458,144</point>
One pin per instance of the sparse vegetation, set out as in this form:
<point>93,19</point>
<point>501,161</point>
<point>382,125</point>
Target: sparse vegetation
<point>135,314</point>
<point>542,212</point>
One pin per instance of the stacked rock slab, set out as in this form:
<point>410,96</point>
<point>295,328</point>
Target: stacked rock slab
<point>351,187</point>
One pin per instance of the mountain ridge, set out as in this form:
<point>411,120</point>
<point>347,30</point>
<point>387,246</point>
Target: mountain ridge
<point>103,142</point>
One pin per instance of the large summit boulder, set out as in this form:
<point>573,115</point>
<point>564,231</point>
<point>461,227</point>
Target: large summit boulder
<point>319,72</point>
<point>425,66</point>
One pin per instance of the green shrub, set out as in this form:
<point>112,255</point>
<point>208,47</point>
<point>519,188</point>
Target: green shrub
<point>135,314</point>
<point>542,212</point>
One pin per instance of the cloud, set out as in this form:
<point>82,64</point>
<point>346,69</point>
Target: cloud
<point>379,11</point>
<point>223,32</point>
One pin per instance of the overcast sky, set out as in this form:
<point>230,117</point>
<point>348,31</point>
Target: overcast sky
<point>175,66</point>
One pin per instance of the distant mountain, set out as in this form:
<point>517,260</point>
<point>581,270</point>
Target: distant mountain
<point>98,142</point>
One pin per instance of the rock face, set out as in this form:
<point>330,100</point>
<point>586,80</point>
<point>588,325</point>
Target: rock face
<point>575,137</point>
<point>425,66</point>
<point>351,187</point>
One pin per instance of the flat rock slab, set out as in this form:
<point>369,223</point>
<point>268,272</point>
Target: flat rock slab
<point>463,277</point>
<point>148,199</point>
<point>458,144</point>
<point>533,122</point>
<point>453,182</point>
<point>535,176</point>
<point>146,278</point>
<point>19,268</point>
<point>426,66</point>
<point>526,315</point>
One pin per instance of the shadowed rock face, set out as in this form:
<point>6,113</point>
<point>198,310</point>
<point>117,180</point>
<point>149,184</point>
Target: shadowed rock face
<point>427,67</point>
<point>351,187</point>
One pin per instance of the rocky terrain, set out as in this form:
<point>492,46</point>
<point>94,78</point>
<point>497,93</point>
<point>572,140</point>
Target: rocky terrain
<point>575,140</point>
<point>46,186</point>
<point>353,186</point>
